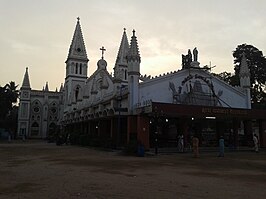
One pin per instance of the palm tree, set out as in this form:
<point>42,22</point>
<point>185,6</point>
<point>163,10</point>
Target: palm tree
<point>12,91</point>
<point>8,109</point>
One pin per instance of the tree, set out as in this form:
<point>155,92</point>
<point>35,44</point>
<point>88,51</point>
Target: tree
<point>257,66</point>
<point>8,109</point>
<point>227,77</point>
<point>12,91</point>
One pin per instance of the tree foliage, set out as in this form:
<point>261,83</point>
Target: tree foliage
<point>257,66</point>
<point>8,109</point>
<point>227,77</point>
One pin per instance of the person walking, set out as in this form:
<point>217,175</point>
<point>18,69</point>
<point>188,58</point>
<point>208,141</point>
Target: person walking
<point>221,146</point>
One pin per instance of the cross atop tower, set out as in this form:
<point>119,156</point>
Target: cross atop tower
<point>102,49</point>
<point>78,18</point>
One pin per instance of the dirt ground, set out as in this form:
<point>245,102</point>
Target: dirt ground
<point>44,170</point>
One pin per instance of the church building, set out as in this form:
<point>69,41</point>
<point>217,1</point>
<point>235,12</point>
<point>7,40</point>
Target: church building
<point>126,106</point>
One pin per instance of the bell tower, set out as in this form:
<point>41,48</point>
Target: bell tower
<point>121,65</point>
<point>24,106</point>
<point>76,66</point>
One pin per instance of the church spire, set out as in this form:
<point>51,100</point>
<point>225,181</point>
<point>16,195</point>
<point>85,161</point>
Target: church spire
<point>26,80</point>
<point>133,54</point>
<point>120,68</point>
<point>61,88</point>
<point>123,50</point>
<point>46,87</point>
<point>244,73</point>
<point>77,48</point>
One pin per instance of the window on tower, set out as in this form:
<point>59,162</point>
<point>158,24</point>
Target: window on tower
<point>76,68</point>
<point>125,74</point>
<point>80,68</point>
<point>77,93</point>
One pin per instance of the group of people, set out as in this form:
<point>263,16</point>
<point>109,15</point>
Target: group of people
<point>195,145</point>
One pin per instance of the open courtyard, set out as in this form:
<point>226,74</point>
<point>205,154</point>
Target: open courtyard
<point>35,169</point>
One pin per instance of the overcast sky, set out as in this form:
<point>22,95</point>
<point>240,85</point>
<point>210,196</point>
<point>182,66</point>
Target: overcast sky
<point>37,33</point>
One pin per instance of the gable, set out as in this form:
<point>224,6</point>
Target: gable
<point>192,87</point>
<point>99,85</point>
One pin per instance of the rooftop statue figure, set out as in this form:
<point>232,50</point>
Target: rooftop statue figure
<point>195,54</point>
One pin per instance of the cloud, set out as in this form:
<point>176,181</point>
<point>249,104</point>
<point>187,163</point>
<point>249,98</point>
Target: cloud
<point>23,48</point>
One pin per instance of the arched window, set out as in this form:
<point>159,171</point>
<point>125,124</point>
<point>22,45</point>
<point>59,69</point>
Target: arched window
<point>125,74</point>
<point>80,68</point>
<point>34,129</point>
<point>35,124</point>
<point>77,93</point>
<point>76,68</point>
<point>52,130</point>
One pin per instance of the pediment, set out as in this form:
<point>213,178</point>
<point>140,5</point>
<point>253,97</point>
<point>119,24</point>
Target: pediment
<point>193,87</point>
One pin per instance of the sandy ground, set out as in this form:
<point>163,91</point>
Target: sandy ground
<point>43,170</point>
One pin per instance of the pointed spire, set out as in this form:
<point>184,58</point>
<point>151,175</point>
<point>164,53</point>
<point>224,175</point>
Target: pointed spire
<point>46,87</point>
<point>61,88</point>
<point>123,51</point>
<point>244,71</point>
<point>77,48</point>
<point>26,80</point>
<point>56,90</point>
<point>133,53</point>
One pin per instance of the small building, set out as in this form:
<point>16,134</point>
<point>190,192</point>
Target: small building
<point>39,110</point>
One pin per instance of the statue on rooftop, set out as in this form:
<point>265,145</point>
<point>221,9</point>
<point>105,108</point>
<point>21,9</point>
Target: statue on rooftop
<point>189,56</point>
<point>195,54</point>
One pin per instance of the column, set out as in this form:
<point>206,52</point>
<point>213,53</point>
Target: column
<point>143,131</point>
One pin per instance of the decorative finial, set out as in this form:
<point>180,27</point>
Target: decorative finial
<point>125,29</point>
<point>102,49</point>
<point>133,32</point>
<point>78,19</point>
<point>26,68</point>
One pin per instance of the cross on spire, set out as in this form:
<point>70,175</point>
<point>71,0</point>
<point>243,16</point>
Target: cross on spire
<point>78,18</point>
<point>133,32</point>
<point>102,49</point>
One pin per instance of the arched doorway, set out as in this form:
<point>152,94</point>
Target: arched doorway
<point>35,130</point>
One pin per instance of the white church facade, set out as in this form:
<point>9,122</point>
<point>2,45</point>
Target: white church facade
<point>116,109</point>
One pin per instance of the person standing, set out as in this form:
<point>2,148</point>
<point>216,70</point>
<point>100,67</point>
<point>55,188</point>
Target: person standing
<point>195,144</point>
<point>180,143</point>
<point>256,143</point>
<point>221,146</point>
